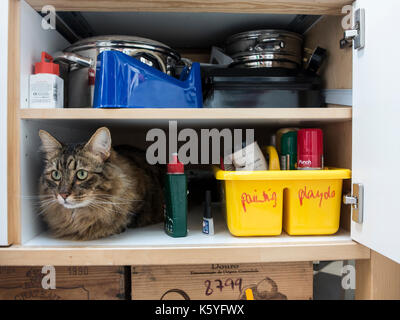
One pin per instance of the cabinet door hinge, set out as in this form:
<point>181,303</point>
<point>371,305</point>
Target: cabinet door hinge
<point>356,36</point>
<point>356,200</point>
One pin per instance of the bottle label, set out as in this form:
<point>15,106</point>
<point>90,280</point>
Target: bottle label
<point>309,162</point>
<point>206,226</point>
<point>43,91</point>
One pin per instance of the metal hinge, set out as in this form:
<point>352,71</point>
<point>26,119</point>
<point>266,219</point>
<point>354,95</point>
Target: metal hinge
<point>355,36</point>
<point>356,200</point>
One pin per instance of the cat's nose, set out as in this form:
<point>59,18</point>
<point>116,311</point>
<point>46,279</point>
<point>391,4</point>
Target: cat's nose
<point>64,195</point>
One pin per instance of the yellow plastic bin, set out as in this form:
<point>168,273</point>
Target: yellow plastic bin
<point>306,201</point>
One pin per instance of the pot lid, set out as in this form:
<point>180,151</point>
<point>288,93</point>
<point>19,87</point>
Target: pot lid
<point>254,56</point>
<point>254,34</point>
<point>118,41</point>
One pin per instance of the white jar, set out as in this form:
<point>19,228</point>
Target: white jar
<point>46,88</point>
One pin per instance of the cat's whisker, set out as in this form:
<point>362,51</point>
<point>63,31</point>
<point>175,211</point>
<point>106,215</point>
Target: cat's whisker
<point>104,209</point>
<point>37,196</point>
<point>36,203</point>
<point>45,208</point>
<point>116,198</point>
<point>110,196</point>
<point>113,202</point>
<point>100,205</point>
<point>44,204</point>
<point>49,205</point>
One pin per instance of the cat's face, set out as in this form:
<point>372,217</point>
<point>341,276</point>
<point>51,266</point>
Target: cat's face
<point>73,174</point>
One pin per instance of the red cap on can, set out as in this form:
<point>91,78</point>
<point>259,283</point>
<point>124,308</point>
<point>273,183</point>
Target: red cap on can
<point>310,148</point>
<point>175,166</point>
<point>47,67</point>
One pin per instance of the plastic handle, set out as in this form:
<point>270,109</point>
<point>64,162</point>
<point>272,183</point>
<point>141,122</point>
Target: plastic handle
<point>273,158</point>
<point>187,62</point>
<point>269,42</point>
<point>154,56</point>
<point>46,56</point>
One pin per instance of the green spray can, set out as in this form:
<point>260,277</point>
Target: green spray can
<point>289,151</point>
<point>175,223</point>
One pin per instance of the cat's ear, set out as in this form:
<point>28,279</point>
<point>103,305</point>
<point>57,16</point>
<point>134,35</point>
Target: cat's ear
<point>50,145</point>
<point>100,143</point>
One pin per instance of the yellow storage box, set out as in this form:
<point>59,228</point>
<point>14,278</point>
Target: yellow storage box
<point>306,202</point>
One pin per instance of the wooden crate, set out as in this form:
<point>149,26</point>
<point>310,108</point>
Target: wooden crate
<point>72,283</point>
<point>268,281</point>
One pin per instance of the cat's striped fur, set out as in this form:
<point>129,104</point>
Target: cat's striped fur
<point>119,188</point>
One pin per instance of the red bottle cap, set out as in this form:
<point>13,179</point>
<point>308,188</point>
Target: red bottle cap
<point>222,163</point>
<point>310,148</point>
<point>91,77</point>
<point>175,166</point>
<point>47,67</point>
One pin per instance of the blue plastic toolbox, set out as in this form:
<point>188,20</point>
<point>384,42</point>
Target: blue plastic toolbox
<point>125,82</point>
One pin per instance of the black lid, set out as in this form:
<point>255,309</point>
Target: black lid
<point>207,205</point>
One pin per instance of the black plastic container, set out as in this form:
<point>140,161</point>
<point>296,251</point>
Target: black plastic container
<point>260,88</point>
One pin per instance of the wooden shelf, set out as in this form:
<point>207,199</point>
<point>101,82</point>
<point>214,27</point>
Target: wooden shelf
<point>151,246</point>
<point>261,114</point>
<point>299,250</point>
<point>318,7</point>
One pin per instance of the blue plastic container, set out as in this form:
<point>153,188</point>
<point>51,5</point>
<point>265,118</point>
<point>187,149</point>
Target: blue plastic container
<point>125,82</point>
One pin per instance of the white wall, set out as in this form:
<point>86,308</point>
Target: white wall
<point>3,121</point>
<point>34,40</point>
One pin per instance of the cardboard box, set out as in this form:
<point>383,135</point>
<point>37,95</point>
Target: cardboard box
<point>268,281</point>
<point>72,283</point>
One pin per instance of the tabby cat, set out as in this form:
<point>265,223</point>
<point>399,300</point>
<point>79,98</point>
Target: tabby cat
<point>90,191</point>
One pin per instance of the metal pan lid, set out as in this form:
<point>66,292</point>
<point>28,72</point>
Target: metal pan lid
<point>254,34</point>
<point>264,64</point>
<point>118,41</point>
<point>248,57</point>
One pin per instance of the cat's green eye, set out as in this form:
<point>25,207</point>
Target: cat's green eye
<point>56,175</point>
<point>82,174</point>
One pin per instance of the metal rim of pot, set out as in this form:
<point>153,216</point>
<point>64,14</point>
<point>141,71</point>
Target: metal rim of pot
<point>123,42</point>
<point>102,43</point>
<point>244,58</point>
<point>255,34</point>
<point>261,45</point>
<point>265,64</point>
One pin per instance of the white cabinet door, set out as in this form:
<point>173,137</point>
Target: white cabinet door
<point>376,127</point>
<point>3,121</point>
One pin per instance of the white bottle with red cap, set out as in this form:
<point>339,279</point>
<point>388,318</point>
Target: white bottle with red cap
<point>46,88</point>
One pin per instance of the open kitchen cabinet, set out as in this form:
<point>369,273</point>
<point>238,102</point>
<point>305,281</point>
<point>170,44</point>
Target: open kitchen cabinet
<point>131,125</point>
<point>32,245</point>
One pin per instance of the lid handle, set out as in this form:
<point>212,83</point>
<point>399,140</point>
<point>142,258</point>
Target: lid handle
<point>46,56</point>
<point>70,57</point>
<point>269,42</point>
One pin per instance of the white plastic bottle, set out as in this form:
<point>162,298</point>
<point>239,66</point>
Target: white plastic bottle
<point>46,88</point>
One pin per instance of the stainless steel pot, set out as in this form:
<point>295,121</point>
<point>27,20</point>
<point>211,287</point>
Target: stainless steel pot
<point>81,59</point>
<point>265,48</point>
